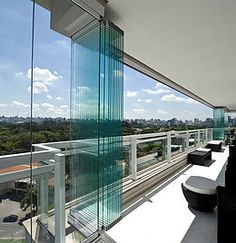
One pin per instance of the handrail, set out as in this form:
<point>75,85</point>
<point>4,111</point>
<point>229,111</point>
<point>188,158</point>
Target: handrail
<point>46,151</point>
<point>53,156</point>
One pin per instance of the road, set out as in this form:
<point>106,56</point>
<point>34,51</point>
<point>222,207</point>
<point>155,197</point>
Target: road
<point>11,230</point>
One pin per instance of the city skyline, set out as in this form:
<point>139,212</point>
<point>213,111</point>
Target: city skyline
<point>16,119</point>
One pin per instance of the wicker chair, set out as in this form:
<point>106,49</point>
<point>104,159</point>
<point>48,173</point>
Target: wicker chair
<point>198,201</point>
<point>226,215</point>
<point>230,172</point>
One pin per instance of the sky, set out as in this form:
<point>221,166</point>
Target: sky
<point>144,97</point>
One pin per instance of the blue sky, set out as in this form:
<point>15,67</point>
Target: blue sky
<point>144,97</point>
<point>147,98</point>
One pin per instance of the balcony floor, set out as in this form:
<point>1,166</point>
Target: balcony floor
<point>163,215</point>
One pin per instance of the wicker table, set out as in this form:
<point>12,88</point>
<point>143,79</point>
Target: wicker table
<point>201,156</point>
<point>200,193</point>
<point>214,145</point>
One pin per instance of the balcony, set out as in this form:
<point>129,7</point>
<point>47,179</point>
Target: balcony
<point>145,169</point>
<point>163,215</point>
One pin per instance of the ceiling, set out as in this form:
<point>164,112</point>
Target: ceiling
<point>192,42</point>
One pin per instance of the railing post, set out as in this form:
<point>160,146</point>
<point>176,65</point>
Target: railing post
<point>198,137</point>
<point>206,136</point>
<point>187,141</point>
<point>133,157</point>
<point>168,146</point>
<point>43,198</point>
<point>60,198</point>
<point>211,133</point>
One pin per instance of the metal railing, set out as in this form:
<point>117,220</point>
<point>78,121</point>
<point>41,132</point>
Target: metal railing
<point>190,139</point>
<point>53,155</point>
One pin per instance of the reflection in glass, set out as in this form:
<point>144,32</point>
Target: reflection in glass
<point>96,112</point>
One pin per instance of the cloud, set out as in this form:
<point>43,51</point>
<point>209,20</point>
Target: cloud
<point>191,101</point>
<point>63,44</point>
<point>129,93</point>
<point>38,88</point>
<point>64,106</point>
<point>155,92</point>
<point>139,110</point>
<point>19,74</point>
<point>160,111</point>
<point>174,98</point>
<point>43,75</point>
<point>50,110</point>
<point>83,89</point>
<point>145,100</point>
<point>117,73</point>
<point>49,97</point>
<point>43,78</point>
<point>59,98</point>
<point>3,105</point>
<point>56,111</point>
<point>20,104</point>
<point>158,85</point>
<point>47,105</point>
<point>35,105</point>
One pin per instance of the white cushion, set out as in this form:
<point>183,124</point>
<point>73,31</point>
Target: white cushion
<point>201,185</point>
<point>216,142</point>
<point>203,149</point>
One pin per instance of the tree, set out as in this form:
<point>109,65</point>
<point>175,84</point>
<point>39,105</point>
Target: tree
<point>26,201</point>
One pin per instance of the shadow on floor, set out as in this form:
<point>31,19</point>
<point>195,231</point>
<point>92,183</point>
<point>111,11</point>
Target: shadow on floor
<point>146,197</point>
<point>204,227</point>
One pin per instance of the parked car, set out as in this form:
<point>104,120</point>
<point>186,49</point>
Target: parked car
<point>11,218</point>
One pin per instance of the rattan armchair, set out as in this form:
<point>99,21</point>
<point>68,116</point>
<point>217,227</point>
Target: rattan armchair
<point>226,215</point>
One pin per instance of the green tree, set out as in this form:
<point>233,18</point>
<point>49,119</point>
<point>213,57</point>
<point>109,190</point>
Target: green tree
<point>25,203</point>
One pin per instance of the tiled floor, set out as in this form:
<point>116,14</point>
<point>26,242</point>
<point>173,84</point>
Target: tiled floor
<point>164,216</point>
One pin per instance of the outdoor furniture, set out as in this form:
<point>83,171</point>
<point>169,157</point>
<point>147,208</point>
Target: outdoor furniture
<point>232,151</point>
<point>200,193</point>
<point>201,156</point>
<point>226,215</point>
<point>230,172</point>
<point>214,145</point>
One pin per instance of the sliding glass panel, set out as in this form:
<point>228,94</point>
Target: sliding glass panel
<point>96,127</point>
<point>110,130</point>
<point>15,142</point>
<point>218,132</point>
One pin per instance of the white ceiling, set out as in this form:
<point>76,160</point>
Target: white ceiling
<point>192,42</point>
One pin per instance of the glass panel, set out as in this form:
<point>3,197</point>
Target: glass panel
<point>218,132</point>
<point>177,144</point>
<point>127,157</point>
<point>50,118</point>
<point>96,127</point>
<point>193,139</point>
<point>15,141</point>
<point>151,154</point>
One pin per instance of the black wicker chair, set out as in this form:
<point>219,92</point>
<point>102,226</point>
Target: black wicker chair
<point>198,201</point>
<point>230,172</point>
<point>226,215</point>
<point>232,151</point>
